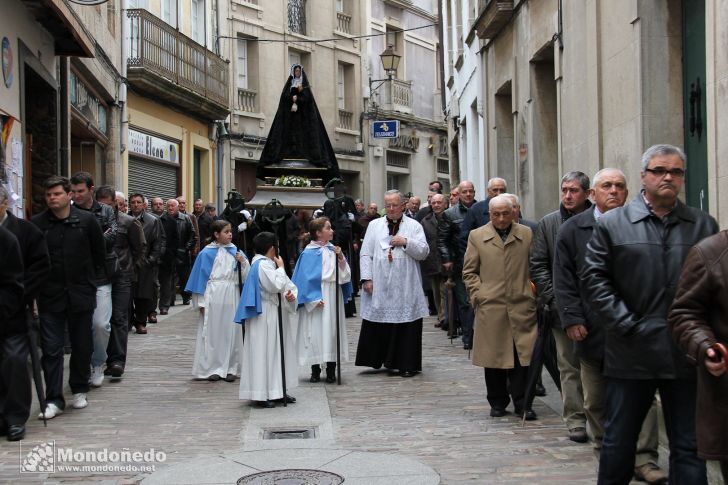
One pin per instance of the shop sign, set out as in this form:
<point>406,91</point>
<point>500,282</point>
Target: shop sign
<point>153,147</point>
<point>407,142</point>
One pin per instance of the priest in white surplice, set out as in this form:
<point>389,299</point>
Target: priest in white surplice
<point>261,378</point>
<point>393,303</point>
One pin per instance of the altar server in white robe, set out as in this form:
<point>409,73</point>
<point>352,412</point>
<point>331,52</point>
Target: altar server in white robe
<point>261,379</point>
<point>315,278</point>
<point>215,290</point>
<point>393,302</point>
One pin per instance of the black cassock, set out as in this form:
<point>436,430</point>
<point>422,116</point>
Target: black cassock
<point>299,134</point>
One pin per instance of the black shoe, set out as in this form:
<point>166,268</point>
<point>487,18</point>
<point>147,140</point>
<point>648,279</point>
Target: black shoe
<point>498,412</point>
<point>185,302</point>
<point>529,415</point>
<point>214,377</point>
<point>315,373</point>
<point>289,399</point>
<point>115,370</point>
<point>578,435</point>
<point>266,404</point>
<point>467,346</point>
<point>330,372</point>
<point>540,390</point>
<point>16,432</point>
<point>408,373</point>
<point>230,378</point>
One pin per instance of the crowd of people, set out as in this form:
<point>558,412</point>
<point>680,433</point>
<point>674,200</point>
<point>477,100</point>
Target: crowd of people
<point>630,295</point>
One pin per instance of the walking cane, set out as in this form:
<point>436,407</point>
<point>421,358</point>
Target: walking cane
<point>338,318</point>
<point>283,358</point>
<point>240,289</point>
<point>449,284</point>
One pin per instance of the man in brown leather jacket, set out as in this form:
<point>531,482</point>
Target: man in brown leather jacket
<point>699,320</point>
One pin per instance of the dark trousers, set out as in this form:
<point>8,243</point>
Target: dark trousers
<point>120,296</point>
<point>142,308</point>
<point>465,311</point>
<point>52,328</point>
<point>502,385</point>
<point>183,274</point>
<point>166,286</point>
<point>628,401</point>
<point>15,389</point>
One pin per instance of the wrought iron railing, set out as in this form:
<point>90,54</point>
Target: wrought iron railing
<point>297,16</point>
<point>343,22</point>
<point>246,100</point>
<point>165,51</point>
<point>345,119</point>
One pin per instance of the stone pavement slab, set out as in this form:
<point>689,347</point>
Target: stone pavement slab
<point>437,420</point>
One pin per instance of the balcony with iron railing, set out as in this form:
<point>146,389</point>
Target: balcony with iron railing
<point>167,65</point>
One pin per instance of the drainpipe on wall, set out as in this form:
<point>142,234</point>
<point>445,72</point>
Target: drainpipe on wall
<point>124,112</point>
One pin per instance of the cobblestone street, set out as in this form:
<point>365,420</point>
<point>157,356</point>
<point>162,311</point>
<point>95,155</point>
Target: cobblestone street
<point>439,418</point>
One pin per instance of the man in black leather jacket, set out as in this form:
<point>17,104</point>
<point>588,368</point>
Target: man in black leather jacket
<point>144,288</point>
<point>448,233</point>
<point>82,190</point>
<point>130,249</point>
<point>176,260</point>
<point>632,266</point>
<point>608,191</point>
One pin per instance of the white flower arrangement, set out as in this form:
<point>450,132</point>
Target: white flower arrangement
<point>292,181</point>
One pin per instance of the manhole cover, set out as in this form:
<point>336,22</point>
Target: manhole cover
<point>292,477</point>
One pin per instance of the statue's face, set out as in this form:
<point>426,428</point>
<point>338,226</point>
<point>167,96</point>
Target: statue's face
<point>296,71</point>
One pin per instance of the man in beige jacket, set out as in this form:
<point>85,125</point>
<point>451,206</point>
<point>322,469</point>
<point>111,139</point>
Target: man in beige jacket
<point>496,274</point>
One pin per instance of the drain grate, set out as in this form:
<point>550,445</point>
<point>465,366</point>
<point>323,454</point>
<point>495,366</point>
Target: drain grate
<point>292,477</point>
<point>298,433</point>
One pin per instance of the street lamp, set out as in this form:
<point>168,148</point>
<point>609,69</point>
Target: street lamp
<point>390,63</point>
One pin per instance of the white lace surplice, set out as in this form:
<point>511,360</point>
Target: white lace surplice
<point>398,296</point>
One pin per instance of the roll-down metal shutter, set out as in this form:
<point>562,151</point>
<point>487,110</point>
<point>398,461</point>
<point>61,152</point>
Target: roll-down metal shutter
<point>152,179</point>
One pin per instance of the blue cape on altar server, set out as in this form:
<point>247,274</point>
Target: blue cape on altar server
<point>200,274</point>
<point>307,276</point>
<point>251,304</point>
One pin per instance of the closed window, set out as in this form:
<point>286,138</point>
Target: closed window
<point>242,64</point>
<point>341,87</point>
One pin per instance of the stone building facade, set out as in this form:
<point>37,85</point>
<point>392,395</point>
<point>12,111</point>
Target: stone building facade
<point>569,85</point>
<point>412,96</point>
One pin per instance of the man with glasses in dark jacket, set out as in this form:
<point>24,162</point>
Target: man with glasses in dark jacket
<point>632,266</point>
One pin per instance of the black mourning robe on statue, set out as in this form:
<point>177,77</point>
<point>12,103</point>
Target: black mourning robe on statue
<point>300,134</point>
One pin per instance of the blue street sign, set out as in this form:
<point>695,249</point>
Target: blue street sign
<point>385,129</point>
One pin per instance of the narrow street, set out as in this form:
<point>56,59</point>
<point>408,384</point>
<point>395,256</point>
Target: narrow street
<point>438,418</point>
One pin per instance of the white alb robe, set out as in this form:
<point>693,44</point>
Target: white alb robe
<point>317,325</point>
<point>261,379</point>
<point>219,339</point>
<point>397,296</point>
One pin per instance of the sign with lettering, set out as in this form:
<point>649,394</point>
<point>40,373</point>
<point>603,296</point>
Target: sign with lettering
<point>385,129</point>
<point>408,142</point>
<point>153,147</point>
